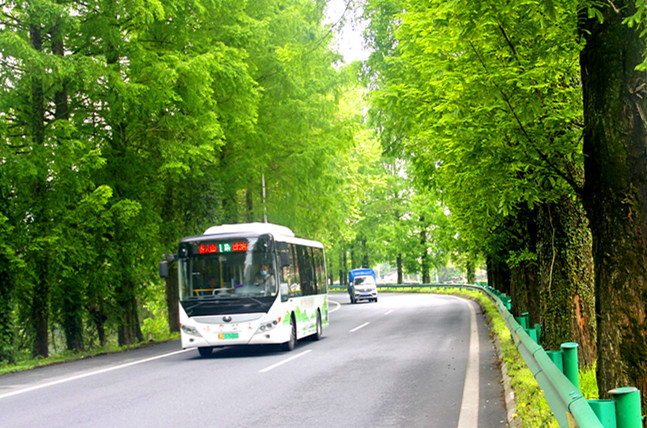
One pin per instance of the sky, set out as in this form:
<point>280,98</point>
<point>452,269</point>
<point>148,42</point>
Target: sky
<point>348,39</point>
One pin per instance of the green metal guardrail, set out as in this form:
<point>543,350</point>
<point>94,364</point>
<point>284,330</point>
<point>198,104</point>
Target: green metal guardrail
<point>557,372</point>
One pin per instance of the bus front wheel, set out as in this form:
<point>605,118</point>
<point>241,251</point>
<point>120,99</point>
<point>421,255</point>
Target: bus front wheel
<point>290,344</point>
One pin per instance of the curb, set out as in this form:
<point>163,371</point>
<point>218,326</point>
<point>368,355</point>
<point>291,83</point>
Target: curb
<point>508,391</point>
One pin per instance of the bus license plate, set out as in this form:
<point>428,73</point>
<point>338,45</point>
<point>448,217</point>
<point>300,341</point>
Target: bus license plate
<point>227,336</point>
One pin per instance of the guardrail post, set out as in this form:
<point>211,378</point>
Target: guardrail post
<point>557,358</point>
<point>605,410</point>
<point>523,320</point>
<point>571,367</point>
<point>534,334</point>
<point>627,400</point>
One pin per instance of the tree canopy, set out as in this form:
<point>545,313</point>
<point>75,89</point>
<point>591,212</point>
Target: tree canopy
<point>126,126</point>
<point>506,134</point>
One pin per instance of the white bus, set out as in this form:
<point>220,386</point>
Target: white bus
<point>253,283</point>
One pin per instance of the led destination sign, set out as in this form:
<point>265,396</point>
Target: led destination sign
<point>222,247</point>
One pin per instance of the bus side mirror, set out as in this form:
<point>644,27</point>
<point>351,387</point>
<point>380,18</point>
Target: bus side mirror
<point>164,269</point>
<point>284,255</point>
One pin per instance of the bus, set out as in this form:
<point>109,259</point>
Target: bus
<point>250,284</point>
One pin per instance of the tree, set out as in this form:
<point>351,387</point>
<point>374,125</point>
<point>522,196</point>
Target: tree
<point>490,112</point>
<point>615,133</point>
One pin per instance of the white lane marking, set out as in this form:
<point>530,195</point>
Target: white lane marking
<point>469,416</point>
<point>280,363</point>
<point>336,303</point>
<point>358,327</point>
<point>388,312</point>
<point>96,372</point>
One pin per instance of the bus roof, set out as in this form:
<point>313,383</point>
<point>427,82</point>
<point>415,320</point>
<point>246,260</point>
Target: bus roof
<point>259,228</point>
<point>280,233</point>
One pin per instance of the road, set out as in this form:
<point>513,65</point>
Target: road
<point>401,362</point>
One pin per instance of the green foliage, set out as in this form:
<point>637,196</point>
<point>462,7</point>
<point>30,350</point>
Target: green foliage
<point>484,99</point>
<point>155,325</point>
<point>125,126</point>
<point>589,383</point>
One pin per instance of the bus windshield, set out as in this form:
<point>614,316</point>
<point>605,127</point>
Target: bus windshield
<point>232,269</point>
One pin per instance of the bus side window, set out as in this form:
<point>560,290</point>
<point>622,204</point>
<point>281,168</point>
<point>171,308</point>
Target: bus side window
<point>305,267</point>
<point>291,274</point>
<point>320,270</point>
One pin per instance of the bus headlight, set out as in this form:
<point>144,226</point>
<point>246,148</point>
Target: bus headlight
<point>267,326</point>
<point>188,329</point>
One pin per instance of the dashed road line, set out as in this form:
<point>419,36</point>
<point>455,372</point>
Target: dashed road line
<point>287,360</point>
<point>358,327</point>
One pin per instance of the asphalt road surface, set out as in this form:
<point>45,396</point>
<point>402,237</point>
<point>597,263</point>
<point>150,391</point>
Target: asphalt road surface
<point>410,360</point>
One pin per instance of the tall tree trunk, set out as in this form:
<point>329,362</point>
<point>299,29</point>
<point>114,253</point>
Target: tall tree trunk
<point>344,264</point>
<point>365,258</point>
<point>399,264</point>
<point>73,300</point>
<point>60,96</point>
<point>172,299</point>
<point>129,330</point>
<point>469,272</point>
<point>524,284</point>
<point>249,203</point>
<point>615,142</point>
<point>6,324</point>
<point>498,274</point>
<point>40,306</point>
<point>566,275</point>
<point>40,291</point>
<point>524,274</point>
<point>99,318</point>
<point>424,257</point>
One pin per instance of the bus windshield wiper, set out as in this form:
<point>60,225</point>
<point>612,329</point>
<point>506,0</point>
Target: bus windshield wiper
<point>254,300</point>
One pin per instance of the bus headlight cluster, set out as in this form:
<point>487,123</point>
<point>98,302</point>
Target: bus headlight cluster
<point>188,329</point>
<point>267,326</point>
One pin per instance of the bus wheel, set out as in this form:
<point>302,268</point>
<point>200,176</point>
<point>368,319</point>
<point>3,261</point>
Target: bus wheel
<point>290,344</point>
<point>319,331</point>
<point>205,351</point>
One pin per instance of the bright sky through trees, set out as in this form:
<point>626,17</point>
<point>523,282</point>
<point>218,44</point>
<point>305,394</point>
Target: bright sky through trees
<point>345,16</point>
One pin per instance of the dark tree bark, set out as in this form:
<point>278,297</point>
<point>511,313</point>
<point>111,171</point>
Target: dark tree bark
<point>566,275</point>
<point>172,299</point>
<point>524,279</point>
<point>524,283</point>
<point>498,274</point>
<point>40,290</point>
<point>249,203</point>
<point>424,257</point>
<point>6,323</point>
<point>72,316</point>
<point>344,267</point>
<point>615,150</point>
<point>469,272</point>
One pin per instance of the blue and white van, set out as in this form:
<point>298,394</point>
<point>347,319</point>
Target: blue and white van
<point>362,285</point>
